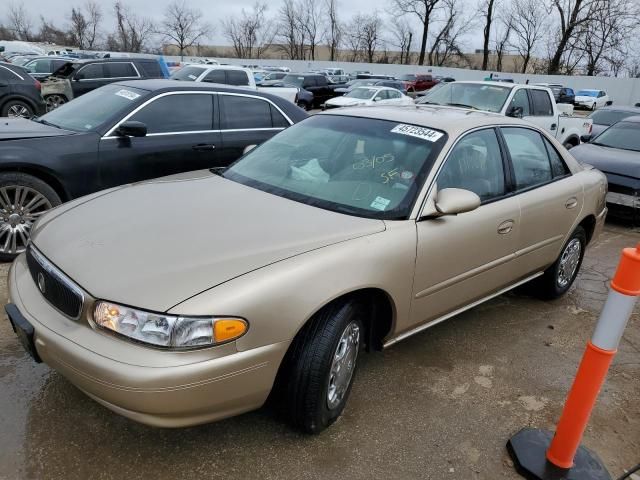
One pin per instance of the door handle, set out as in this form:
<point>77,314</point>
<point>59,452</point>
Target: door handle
<point>201,147</point>
<point>571,203</point>
<point>505,227</point>
<point>553,126</point>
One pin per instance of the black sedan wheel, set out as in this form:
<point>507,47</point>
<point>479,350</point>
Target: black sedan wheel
<point>23,199</point>
<point>17,109</point>
<point>54,101</point>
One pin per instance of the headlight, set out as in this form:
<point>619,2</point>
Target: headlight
<point>164,330</point>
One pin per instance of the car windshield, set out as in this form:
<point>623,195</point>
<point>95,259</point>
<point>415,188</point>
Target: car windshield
<point>408,78</point>
<point>609,117</point>
<point>296,80</point>
<point>624,135</point>
<point>587,93</point>
<point>189,74</point>
<point>474,95</point>
<point>358,166</point>
<point>93,109</point>
<point>361,93</point>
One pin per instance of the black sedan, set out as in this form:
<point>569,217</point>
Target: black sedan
<point>606,116</point>
<point>616,152</point>
<point>19,93</point>
<point>122,133</point>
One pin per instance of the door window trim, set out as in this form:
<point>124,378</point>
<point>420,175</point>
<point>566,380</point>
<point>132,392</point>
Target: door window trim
<point>259,98</point>
<point>106,78</point>
<point>11,71</point>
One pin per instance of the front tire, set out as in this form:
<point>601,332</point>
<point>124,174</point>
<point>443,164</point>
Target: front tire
<point>593,107</point>
<point>304,105</point>
<point>559,277</point>
<point>17,109</point>
<point>23,199</point>
<point>320,367</point>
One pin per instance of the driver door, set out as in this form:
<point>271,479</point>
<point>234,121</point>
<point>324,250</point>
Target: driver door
<point>466,257</point>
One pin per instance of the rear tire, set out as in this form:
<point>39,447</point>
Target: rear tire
<point>17,109</point>
<point>559,277</point>
<point>23,199</point>
<point>319,368</point>
<point>304,105</point>
<point>54,101</point>
<point>593,107</point>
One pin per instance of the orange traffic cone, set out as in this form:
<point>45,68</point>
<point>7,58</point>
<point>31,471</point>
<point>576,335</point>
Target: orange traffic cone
<point>540,455</point>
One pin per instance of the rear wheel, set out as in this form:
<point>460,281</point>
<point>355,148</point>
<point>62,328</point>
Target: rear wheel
<point>54,101</point>
<point>23,199</point>
<point>17,109</point>
<point>593,107</point>
<point>559,277</point>
<point>320,366</point>
<point>303,105</point>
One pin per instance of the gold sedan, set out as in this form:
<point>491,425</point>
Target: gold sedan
<point>192,298</point>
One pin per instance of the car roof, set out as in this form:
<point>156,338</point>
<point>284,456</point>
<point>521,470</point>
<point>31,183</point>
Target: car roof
<point>632,119</point>
<point>620,108</point>
<point>158,84</point>
<point>110,60</point>
<point>452,120</point>
<point>589,90</point>
<point>205,66</point>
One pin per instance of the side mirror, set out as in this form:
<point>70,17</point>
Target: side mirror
<point>132,129</point>
<point>1,49</point>
<point>452,201</point>
<point>585,138</point>
<point>609,102</point>
<point>248,148</point>
<point>515,112</point>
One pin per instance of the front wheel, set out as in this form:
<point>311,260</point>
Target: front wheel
<point>593,107</point>
<point>559,277</point>
<point>321,365</point>
<point>23,199</point>
<point>17,109</point>
<point>303,105</point>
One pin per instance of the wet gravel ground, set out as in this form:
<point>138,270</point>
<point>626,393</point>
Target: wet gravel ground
<point>439,405</point>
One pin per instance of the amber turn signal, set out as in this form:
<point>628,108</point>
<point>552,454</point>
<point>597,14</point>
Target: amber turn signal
<point>226,329</point>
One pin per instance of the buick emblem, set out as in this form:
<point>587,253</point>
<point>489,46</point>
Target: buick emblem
<point>41,284</point>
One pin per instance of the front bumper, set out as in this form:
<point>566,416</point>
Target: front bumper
<point>151,386</point>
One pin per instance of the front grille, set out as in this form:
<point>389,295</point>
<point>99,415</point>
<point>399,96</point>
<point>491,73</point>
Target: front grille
<point>54,285</point>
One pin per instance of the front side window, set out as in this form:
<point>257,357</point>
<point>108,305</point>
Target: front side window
<point>120,70</point>
<point>529,157</point>
<point>393,95</point>
<point>39,66</point>
<point>237,77</point>
<point>189,112</point>
<point>359,166</point>
<point>188,74</point>
<point>521,99</point>
<point>541,103</point>
<point>90,72</point>
<point>624,135</point>
<point>382,95</point>
<point>215,76</point>
<point>475,164</point>
<point>245,112</point>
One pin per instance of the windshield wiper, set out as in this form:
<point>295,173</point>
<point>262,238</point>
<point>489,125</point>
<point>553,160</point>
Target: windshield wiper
<point>44,122</point>
<point>462,105</point>
<point>428,103</point>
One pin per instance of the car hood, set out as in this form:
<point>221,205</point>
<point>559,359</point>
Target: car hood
<point>609,160</point>
<point>346,101</point>
<point>20,128</point>
<point>153,245</point>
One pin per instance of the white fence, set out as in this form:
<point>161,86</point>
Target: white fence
<point>623,91</point>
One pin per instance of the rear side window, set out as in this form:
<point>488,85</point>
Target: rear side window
<point>277,119</point>
<point>521,99</point>
<point>91,71</point>
<point>150,69</point>
<point>558,167</point>
<point>237,77</point>
<point>215,76</point>
<point>529,157</point>
<point>42,65</point>
<point>245,112</point>
<point>119,70</point>
<point>177,113</point>
<point>541,103</point>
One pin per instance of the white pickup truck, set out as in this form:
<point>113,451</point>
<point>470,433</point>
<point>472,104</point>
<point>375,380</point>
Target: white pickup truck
<point>230,75</point>
<point>530,102</point>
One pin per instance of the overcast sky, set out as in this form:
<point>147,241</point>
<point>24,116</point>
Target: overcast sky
<point>213,11</point>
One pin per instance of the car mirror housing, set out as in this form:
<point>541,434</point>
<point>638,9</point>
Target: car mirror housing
<point>248,148</point>
<point>452,201</point>
<point>585,138</point>
<point>132,129</point>
<point>515,112</point>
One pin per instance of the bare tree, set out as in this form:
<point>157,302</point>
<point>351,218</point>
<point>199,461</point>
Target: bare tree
<point>572,15</point>
<point>333,31</point>
<point>252,33</point>
<point>311,24</point>
<point>402,35</point>
<point>353,38</point>
<point>183,26</point>
<point>132,32</point>
<point>78,28</point>
<point>528,20</point>
<point>487,11</point>
<point>424,10</point>
<point>292,30</point>
<point>370,34</point>
<point>19,21</point>
<point>49,33</point>
<point>447,41</point>
<point>502,38</point>
<point>94,18</point>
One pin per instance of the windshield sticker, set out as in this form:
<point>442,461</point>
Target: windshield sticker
<point>128,94</point>
<point>389,175</point>
<point>192,76</point>
<point>380,203</point>
<point>406,175</point>
<point>418,132</point>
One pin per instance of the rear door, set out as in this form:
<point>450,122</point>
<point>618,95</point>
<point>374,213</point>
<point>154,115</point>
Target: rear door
<point>181,136</point>
<point>550,197</point>
<point>246,120</point>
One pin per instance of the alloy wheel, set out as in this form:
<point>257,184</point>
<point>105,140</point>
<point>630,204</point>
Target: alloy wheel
<point>18,111</point>
<point>343,364</point>
<point>569,261</point>
<point>20,207</point>
<point>54,101</point>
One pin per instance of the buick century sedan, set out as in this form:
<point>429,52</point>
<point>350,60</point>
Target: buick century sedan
<point>195,297</point>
